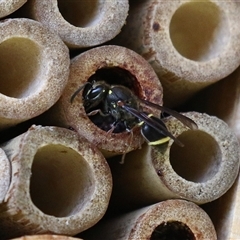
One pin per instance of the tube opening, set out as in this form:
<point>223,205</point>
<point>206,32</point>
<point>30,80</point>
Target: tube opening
<point>113,76</point>
<point>173,230</point>
<point>199,30</point>
<point>19,67</point>
<point>199,159</point>
<point>81,13</point>
<point>61,181</point>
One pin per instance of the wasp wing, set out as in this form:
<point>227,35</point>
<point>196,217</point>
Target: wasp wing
<point>185,120</point>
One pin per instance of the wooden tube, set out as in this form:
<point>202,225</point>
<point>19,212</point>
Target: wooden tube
<point>171,219</point>
<point>60,184</point>
<point>46,237</point>
<point>187,52</point>
<point>9,6</point>
<point>115,65</point>
<point>81,23</point>
<point>201,171</point>
<point>34,66</point>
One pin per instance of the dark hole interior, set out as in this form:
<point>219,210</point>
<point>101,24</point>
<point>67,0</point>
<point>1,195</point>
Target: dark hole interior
<point>111,76</point>
<point>172,230</point>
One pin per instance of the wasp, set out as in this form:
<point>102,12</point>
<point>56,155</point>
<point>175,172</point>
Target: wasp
<point>116,108</point>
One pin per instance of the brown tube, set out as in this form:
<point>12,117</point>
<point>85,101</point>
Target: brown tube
<point>117,65</point>
<point>34,66</point>
<point>190,44</point>
<point>9,6</point>
<point>60,184</point>
<point>82,23</point>
<point>201,171</point>
<point>46,237</point>
<point>171,219</point>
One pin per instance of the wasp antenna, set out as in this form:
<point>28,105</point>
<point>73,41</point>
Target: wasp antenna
<point>185,120</point>
<point>78,90</point>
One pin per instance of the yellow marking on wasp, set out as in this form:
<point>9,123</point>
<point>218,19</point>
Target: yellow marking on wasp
<point>160,141</point>
<point>142,122</point>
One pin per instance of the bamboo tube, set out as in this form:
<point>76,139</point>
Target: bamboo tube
<point>34,66</point>
<point>81,23</point>
<point>190,44</point>
<point>45,237</point>
<point>60,184</point>
<point>223,100</point>
<point>201,171</point>
<point>171,219</point>
<point>9,6</point>
<point>115,65</point>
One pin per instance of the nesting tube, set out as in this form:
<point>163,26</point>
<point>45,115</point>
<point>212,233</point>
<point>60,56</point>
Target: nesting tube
<point>81,23</point>
<point>190,44</point>
<point>171,219</point>
<point>9,6</point>
<point>60,184</point>
<point>114,65</point>
<point>34,67</point>
<point>201,171</point>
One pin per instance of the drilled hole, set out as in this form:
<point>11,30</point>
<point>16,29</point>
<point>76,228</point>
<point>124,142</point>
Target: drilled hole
<point>61,181</point>
<point>199,159</point>
<point>199,30</point>
<point>19,67</point>
<point>172,230</point>
<point>81,13</point>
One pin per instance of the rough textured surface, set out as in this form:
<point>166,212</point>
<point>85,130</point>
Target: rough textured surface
<point>46,237</point>
<point>25,211</point>
<point>9,6</point>
<point>82,68</point>
<point>108,17</point>
<point>221,168</point>
<point>5,175</point>
<point>140,224</point>
<point>150,24</point>
<point>38,91</point>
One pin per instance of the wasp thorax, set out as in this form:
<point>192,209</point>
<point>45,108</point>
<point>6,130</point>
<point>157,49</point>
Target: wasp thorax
<point>104,95</point>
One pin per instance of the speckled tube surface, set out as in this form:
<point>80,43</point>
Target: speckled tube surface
<point>46,237</point>
<point>190,44</point>
<point>115,65</point>
<point>5,175</point>
<point>171,219</point>
<point>9,6</point>
<point>60,184</point>
<point>82,23</point>
<point>34,67</point>
<point>201,171</point>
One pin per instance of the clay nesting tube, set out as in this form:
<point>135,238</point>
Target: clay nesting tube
<point>115,65</point>
<point>34,68</point>
<point>9,6</point>
<point>171,219</point>
<point>190,44</point>
<point>60,184</point>
<point>201,171</point>
<point>81,23</point>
